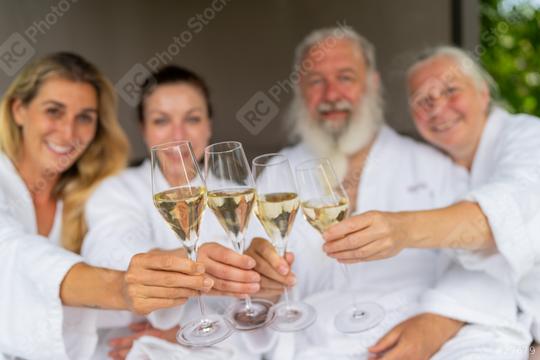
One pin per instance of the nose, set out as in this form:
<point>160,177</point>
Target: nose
<point>331,92</point>
<point>179,131</point>
<point>436,105</point>
<point>67,130</point>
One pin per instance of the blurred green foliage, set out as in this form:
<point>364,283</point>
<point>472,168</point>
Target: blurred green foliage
<point>510,52</point>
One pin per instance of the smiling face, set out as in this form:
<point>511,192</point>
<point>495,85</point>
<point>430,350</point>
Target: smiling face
<point>333,83</point>
<point>57,125</point>
<point>448,107</point>
<point>174,112</point>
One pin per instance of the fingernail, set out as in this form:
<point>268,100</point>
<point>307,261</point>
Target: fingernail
<point>255,287</point>
<point>208,282</point>
<point>251,263</point>
<point>283,270</point>
<point>199,268</point>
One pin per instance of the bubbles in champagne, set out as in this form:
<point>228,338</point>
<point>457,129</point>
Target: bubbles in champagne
<point>232,209</point>
<point>324,212</point>
<point>276,212</point>
<point>182,208</point>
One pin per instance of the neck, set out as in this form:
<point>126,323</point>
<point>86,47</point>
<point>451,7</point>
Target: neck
<point>39,181</point>
<point>465,157</point>
<point>355,168</point>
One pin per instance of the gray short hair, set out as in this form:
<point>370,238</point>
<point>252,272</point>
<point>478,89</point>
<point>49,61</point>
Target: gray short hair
<point>343,31</point>
<point>464,61</point>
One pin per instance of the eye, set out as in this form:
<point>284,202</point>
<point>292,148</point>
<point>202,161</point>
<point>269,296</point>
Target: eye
<point>193,119</point>
<point>450,90</point>
<point>346,78</point>
<point>425,102</point>
<point>86,118</point>
<point>160,121</point>
<point>315,81</point>
<point>53,112</point>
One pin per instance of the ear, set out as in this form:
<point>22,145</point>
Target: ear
<point>18,110</point>
<point>485,95</point>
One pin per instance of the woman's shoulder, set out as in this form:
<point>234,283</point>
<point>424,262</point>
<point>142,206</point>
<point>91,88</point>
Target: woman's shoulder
<point>10,182</point>
<point>127,184</point>
<point>517,125</point>
<point>416,151</point>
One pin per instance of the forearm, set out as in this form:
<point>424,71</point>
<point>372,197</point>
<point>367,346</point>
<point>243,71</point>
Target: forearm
<point>460,226</point>
<point>89,286</point>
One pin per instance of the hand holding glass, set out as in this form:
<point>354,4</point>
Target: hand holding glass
<point>231,196</point>
<point>325,203</point>
<point>179,194</point>
<point>277,205</point>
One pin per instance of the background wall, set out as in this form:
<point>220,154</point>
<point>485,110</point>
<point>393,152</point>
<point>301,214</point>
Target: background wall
<point>241,47</point>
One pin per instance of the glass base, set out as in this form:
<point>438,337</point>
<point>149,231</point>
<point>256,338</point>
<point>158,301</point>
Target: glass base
<point>294,316</point>
<point>205,332</point>
<point>362,317</point>
<point>243,318</point>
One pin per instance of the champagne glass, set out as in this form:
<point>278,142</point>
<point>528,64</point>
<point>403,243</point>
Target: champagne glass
<point>179,195</point>
<point>325,203</point>
<point>231,195</point>
<point>276,207</point>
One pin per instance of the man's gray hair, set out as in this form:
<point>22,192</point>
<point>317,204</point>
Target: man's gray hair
<point>465,62</point>
<point>339,32</point>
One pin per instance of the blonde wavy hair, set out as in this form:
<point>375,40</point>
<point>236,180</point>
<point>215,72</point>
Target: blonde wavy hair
<point>104,156</point>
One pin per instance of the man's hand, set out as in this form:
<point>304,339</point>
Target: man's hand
<point>274,270</point>
<point>416,338</point>
<point>121,346</point>
<point>373,235</point>
<point>233,274</point>
<point>162,279</point>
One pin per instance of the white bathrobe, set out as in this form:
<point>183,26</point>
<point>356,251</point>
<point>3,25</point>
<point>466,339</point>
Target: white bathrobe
<point>505,182</point>
<point>400,174</point>
<point>33,322</point>
<point>122,222</point>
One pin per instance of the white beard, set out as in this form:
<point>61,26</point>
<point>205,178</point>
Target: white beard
<point>365,122</point>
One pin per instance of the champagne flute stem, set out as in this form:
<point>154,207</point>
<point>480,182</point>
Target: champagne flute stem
<point>282,251</point>
<point>357,311</point>
<point>286,297</point>
<point>249,305</point>
<point>192,254</point>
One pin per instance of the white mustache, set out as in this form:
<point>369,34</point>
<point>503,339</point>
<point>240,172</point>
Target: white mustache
<point>328,106</point>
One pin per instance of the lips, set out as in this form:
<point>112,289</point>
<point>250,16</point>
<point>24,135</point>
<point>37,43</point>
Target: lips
<point>442,126</point>
<point>334,115</point>
<point>59,149</point>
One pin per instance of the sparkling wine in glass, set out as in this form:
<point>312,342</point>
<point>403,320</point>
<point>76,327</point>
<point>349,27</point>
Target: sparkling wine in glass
<point>231,196</point>
<point>179,193</point>
<point>276,207</point>
<point>325,203</point>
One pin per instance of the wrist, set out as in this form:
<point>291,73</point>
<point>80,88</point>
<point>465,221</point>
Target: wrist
<point>409,225</point>
<point>116,289</point>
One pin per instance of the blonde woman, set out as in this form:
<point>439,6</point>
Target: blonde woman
<point>59,136</point>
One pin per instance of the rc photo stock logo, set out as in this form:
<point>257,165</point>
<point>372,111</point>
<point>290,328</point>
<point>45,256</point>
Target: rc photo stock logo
<point>17,50</point>
<point>257,113</point>
<point>129,86</point>
<point>15,53</point>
